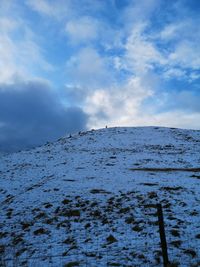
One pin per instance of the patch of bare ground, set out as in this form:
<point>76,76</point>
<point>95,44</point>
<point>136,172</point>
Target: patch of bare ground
<point>166,169</point>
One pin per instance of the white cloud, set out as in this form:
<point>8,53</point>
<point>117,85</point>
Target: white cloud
<point>179,119</point>
<point>186,54</point>
<point>181,38</point>
<point>128,48</point>
<point>172,31</point>
<point>65,9</point>
<point>88,69</point>
<point>139,11</point>
<point>81,30</point>
<point>181,29</point>
<point>41,6</point>
<point>120,105</point>
<point>173,72</point>
<point>141,54</point>
<point>7,25</point>
<point>178,53</point>
<point>57,9</point>
<point>194,76</point>
<point>21,56</point>
<point>125,108</point>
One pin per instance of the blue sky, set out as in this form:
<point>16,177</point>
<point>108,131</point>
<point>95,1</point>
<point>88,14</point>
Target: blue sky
<point>111,62</point>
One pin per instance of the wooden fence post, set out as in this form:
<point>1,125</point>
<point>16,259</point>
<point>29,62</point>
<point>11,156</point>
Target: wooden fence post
<point>162,236</point>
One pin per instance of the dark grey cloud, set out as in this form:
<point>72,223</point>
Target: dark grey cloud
<point>32,113</point>
<point>75,94</point>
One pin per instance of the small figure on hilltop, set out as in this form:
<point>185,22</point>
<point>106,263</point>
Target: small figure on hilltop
<point>106,126</point>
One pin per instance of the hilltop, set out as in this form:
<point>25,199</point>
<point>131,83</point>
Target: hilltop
<point>89,199</point>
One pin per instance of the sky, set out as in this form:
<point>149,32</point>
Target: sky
<point>73,65</point>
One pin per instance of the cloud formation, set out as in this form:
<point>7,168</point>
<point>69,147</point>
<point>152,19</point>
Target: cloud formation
<point>89,69</point>
<point>136,65</point>
<point>32,113</point>
<point>20,56</point>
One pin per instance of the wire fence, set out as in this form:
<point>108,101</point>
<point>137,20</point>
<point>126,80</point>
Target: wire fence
<point>122,241</point>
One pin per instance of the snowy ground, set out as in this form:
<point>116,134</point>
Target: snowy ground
<point>90,200</point>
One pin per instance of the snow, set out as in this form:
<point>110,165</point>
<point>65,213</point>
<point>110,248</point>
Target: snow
<point>60,202</point>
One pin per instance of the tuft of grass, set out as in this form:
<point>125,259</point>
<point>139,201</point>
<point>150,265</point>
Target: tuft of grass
<point>72,264</point>
<point>66,201</point>
<point>41,231</point>
<point>149,184</point>
<point>130,220</point>
<point>175,188</point>
<point>195,176</point>
<point>175,233</point>
<point>166,169</point>
<point>41,215</point>
<point>173,264</point>
<point>137,228</point>
<point>152,195</point>
<point>113,264</point>
<point>99,191</point>
<point>197,236</point>
<point>176,243</point>
<point>71,213</point>
<point>26,225</point>
<point>69,241</point>
<point>17,239</point>
<point>2,249</point>
<point>111,239</point>
<point>190,252</point>
<point>194,213</point>
<point>47,205</point>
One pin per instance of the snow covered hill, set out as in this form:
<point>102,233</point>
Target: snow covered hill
<point>90,199</point>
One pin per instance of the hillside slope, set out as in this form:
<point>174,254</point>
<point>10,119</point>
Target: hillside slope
<point>89,199</point>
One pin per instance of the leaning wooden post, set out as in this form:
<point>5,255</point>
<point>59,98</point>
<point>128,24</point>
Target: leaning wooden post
<point>162,236</point>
